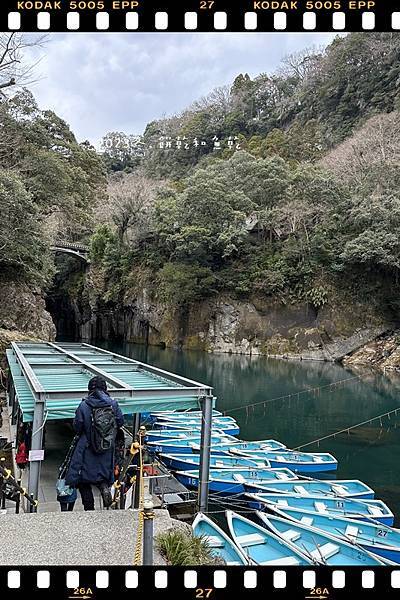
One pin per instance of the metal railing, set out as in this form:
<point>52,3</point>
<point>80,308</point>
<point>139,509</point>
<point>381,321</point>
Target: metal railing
<point>11,489</point>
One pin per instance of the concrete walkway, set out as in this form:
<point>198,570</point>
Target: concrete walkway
<point>92,538</point>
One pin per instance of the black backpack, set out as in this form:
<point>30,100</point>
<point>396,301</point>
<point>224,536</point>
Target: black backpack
<point>103,429</point>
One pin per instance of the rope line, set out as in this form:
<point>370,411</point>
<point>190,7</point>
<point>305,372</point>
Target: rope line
<point>348,429</point>
<point>139,539</point>
<point>292,395</point>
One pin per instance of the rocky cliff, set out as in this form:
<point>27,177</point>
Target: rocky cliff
<point>382,353</point>
<point>23,315</point>
<point>263,326</point>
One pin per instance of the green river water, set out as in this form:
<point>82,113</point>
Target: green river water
<point>370,453</point>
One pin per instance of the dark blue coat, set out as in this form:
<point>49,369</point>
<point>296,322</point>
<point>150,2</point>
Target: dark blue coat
<point>86,466</point>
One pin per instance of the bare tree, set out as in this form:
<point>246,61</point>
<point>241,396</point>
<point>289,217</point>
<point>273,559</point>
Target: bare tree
<point>375,143</point>
<point>130,205</point>
<point>302,64</point>
<point>219,100</point>
<point>16,67</point>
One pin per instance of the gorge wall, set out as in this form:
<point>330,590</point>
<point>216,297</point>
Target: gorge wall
<point>23,315</point>
<point>258,326</point>
<point>74,309</point>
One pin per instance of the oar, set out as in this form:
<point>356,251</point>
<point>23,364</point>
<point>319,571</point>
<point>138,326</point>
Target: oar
<point>310,556</point>
<point>319,551</point>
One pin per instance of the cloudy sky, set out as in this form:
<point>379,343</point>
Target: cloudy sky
<point>120,82</point>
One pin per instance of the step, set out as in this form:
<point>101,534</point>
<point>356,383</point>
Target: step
<point>77,538</point>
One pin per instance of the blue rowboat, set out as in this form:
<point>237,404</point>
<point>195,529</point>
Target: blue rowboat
<point>261,546</point>
<point>184,445</point>
<point>362,510</point>
<point>229,428</point>
<point>180,433</point>
<point>318,546</point>
<point>219,543</point>
<point>299,462</point>
<point>192,419</point>
<point>183,413</point>
<point>261,446</point>
<point>379,539</point>
<point>342,488</point>
<point>232,481</point>
<point>190,462</point>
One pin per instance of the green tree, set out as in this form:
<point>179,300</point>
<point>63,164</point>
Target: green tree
<point>24,252</point>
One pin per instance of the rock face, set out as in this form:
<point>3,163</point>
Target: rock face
<point>262,326</point>
<point>23,315</point>
<point>382,353</point>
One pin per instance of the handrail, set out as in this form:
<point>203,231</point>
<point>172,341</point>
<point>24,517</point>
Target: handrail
<point>5,475</point>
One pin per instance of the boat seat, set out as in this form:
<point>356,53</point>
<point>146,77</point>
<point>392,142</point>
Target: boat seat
<point>320,507</point>
<point>282,503</point>
<point>252,539</point>
<point>282,458</point>
<point>340,489</point>
<point>326,551</point>
<point>375,510</point>
<point>300,489</point>
<point>307,520</point>
<point>290,535</point>
<point>215,542</point>
<point>284,561</point>
<point>218,463</point>
<point>351,531</point>
<point>283,476</point>
<point>317,459</point>
<point>239,478</point>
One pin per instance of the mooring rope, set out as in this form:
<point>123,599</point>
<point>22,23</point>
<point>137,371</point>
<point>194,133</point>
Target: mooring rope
<point>139,539</point>
<point>332,386</point>
<point>348,429</point>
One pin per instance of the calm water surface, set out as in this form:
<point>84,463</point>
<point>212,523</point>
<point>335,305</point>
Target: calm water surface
<point>370,453</point>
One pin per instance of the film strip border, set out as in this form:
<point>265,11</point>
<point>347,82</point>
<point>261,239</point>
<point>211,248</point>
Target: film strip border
<point>200,15</point>
<point>204,583</point>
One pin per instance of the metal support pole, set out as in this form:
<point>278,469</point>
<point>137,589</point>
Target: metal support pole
<point>2,494</point>
<point>122,496</point>
<point>135,426</point>
<point>36,444</point>
<point>13,407</point>
<point>148,532</point>
<point>204,470</point>
<point>18,501</point>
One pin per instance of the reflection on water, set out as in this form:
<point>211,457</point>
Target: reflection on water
<point>369,453</point>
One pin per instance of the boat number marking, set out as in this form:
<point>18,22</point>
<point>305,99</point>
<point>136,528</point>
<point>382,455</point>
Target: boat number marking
<point>381,533</point>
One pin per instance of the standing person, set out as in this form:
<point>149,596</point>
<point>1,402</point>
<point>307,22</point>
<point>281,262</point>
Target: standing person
<point>97,420</point>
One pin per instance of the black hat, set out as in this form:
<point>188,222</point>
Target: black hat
<point>97,383</point>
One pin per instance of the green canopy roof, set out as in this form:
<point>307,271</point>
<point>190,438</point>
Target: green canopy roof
<point>59,374</point>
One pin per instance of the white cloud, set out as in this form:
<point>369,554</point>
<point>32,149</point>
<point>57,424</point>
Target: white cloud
<point>120,82</point>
